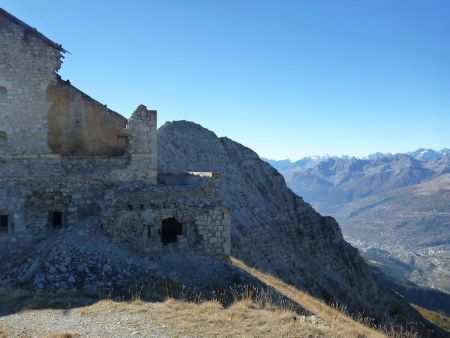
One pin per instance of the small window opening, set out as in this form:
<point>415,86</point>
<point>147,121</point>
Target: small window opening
<point>171,228</point>
<point>56,219</point>
<point>4,224</point>
<point>142,207</point>
<point>130,207</point>
<point>3,93</point>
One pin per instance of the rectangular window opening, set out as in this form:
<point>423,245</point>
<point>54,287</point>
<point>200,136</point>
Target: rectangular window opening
<point>56,219</point>
<point>4,224</point>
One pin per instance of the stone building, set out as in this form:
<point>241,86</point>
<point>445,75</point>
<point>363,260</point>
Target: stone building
<point>67,161</point>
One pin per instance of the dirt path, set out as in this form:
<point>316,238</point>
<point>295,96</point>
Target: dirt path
<point>73,323</point>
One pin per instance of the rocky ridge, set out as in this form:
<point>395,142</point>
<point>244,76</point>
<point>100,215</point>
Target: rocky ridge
<point>274,230</point>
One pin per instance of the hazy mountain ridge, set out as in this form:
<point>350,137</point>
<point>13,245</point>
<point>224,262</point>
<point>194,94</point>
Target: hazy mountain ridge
<point>422,154</point>
<point>398,204</point>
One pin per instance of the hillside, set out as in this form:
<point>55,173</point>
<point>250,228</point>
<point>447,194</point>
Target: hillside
<point>253,313</point>
<point>274,230</point>
<point>394,208</point>
<point>289,247</point>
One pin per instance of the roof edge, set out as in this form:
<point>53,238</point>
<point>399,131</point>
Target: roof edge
<point>62,82</point>
<point>30,29</point>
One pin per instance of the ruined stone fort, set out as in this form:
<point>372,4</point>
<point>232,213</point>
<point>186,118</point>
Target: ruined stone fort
<point>67,161</point>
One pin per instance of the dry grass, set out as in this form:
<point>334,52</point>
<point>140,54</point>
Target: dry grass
<point>243,318</point>
<point>252,313</point>
<point>438,318</point>
<point>338,322</point>
<point>3,333</point>
<point>335,318</point>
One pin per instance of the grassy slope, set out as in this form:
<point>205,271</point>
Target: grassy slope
<point>252,314</point>
<point>438,318</point>
<point>338,322</point>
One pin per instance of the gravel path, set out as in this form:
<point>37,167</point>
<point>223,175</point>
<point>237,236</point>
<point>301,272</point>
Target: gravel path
<point>49,323</point>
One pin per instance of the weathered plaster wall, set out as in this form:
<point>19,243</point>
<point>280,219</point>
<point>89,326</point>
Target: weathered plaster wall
<point>27,67</point>
<point>79,125</point>
<point>40,113</point>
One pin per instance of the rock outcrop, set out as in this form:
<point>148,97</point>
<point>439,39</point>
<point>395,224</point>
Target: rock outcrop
<point>274,230</point>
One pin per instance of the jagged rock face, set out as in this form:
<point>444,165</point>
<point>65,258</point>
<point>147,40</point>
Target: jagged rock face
<point>275,230</point>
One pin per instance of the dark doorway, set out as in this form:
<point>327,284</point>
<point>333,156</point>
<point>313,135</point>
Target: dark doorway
<point>56,219</point>
<point>4,223</point>
<point>171,228</point>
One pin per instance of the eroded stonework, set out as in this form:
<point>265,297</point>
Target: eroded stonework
<point>67,161</point>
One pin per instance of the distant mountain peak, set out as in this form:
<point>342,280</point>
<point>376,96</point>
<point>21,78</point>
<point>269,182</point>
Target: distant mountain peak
<point>421,154</point>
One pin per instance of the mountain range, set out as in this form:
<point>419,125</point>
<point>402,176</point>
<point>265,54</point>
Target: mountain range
<point>395,208</point>
<point>421,154</point>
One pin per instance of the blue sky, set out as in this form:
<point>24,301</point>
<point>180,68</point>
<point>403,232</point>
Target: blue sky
<point>285,78</point>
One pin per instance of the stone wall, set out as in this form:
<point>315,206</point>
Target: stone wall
<point>141,131</point>
<point>199,208</point>
<point>28,66</point>
<point>68,161</point>
<point>79,125</point>
<point>129,211</point>
<point>42,114</point>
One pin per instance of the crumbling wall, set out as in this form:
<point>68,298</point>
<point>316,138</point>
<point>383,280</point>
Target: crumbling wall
<point>205,230</point>
<point>40,113</point>
<point>201,211</point>
<point>79,125</point>
<point>28,66</point>
<point>63,153</point>
<point>142,130</point>
<point>86,191</point>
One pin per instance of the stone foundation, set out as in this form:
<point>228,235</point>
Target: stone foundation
<point>130,212</point>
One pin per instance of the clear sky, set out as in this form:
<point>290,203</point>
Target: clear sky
<point>285,78</point>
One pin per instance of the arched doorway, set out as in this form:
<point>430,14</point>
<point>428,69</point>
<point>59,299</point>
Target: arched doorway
<point>171,228</point>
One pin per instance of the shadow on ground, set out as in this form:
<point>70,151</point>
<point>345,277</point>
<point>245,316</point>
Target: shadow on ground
<point>236,285</point>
